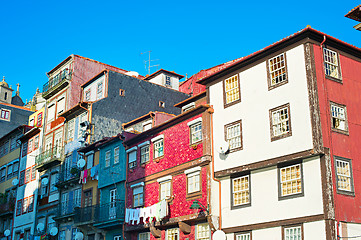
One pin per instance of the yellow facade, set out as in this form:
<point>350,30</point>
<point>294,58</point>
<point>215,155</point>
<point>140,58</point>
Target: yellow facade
<point>4,160</point>
<point>37,119</point>
<point>93,184</point>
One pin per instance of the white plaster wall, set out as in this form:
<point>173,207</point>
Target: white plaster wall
<point>353,230</point>
<point>314,230</point>
<point>267,233</point>
<point>93,89</point>
<point>253,110</point>
<point>265,205</point>
<point>160,80</point>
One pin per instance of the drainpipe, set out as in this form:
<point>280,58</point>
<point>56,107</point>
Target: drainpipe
<point>211,111</point>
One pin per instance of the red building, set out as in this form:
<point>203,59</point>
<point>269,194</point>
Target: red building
<point>170,162</point>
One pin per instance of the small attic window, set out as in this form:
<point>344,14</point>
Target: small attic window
<point>121,92</point>
<point>168,81</point>
<point>6,96</point>
<point>188,107</point>
<point>161,104</point>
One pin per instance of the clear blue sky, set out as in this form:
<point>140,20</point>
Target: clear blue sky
<point>186,36</point>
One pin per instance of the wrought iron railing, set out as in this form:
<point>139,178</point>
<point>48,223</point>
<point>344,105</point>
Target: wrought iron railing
<point>7,207</point>
<point>113,211</point>
<point>68,175</point>
<point>49,155</point>
<point>61,77</point>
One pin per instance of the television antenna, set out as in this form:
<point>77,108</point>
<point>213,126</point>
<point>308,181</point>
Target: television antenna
<point>149,62</point>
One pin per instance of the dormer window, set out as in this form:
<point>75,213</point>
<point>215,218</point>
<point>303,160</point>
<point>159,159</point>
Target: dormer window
<point>168,82</point>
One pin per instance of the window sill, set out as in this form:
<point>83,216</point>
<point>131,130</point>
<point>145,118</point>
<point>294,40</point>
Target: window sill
<point>158,159</point>
<point>193,196</point>
<point>271,87</point>
<point>226,105</point>
<point>344,192</point>
<point>273,138</point>
<point>345,132</point>
<point>339,80</point>
<point>296,195</point>
<point>241,206</point>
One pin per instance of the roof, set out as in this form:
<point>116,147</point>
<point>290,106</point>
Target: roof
<point>29,134</point>
<point>171,122</point>
<point>76,108</point>
<point>26,127</point>
<point>296,37</point>
<point>15,106</point>
<point>16,100</point>
<point>163,71</point>
<point>141,118</point>
<point>191,99</point>
<point>355,13</point>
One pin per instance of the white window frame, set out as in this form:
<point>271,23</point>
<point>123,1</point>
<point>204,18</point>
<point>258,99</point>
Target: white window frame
<point>203,231</point>
<point>138,195</point>
<point>132,158</point>
<point>172,234</point>
<point>277,70</point>
<point>243,236</point>
<point>60,105</point>
<point>158,144</point>
<point>331,63</point>
<point>70,130</point>
<point>108,155</point>
<point>338,117</point>
<point>116,155</point>
<point>188,107</point>
<point>344,175</point>
<point>165,187</point>
<point>280,118</point>
<point>51,112</point>
<point>100,90</point>
<point>144,154</point>
<point>232,90</point>
<point>5,114</point>
<point>233,136</point>
<point>195,128</point>
<point>290,234</point>
<point>285,182</point>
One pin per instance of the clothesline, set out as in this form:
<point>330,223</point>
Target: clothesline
<point>92,172</point>
<point>157,211</point>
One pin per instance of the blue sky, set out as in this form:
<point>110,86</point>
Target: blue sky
<point>186,36</point>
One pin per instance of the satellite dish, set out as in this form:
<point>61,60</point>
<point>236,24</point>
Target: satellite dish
<point>40,227</point>
<point>7,232</point>
<point>219,235</point>
<point>53,231</point>
<point>79,236</point>
<point>15,182</point>
<point>81,163</point>
<point>223,147</point>
<point>45,181</point>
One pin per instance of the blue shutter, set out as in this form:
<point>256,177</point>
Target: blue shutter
<point>71,202</point>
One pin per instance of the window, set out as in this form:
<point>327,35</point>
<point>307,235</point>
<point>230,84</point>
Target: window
<point>107,158</point>
<point>203,231</point>
<point>188,107</point>
<point>138,196</point>
<point>144,154</point>
<point>5,114</point>
<point>3,174</point>
<point>243,236</point>
<point>158,148</point>
<point>19,207</point>
<point>292,233</point>
<point>60,106</point>
<point>161,104</point>
<point>32,122</point>
<point>30,146</point>
<point>233,135</point>
<point>168,81</point>
<point>44,189</point>
<point>193,182</point>
<point>147,125</point>
<point>172,234</point>
<point>196,132</point>
<point>87,95</point>
<point>13,143</point>
<point>290,180</point>
<point>332,68</point>
<point>33,173</point>
<point>277,71</point>
<point>132,159</point>
<point>22,178</point>
<point>339,118</point>
<point>83,117</point>
<point>77,197</point>
<point>53,180</point>
<point>70,135</point>
<point>231,90</point>
<point>31,204</point>
<point>16,168</point>
<point>25,149</point>
<point>40,120</point>
<point>90,160</point>
<point>144,236</point>
<point>10,171</point>
<point>241,191</point>
<point>25,205</point>
<point>116,155</point>
<point>100,90</point>
<point>27,175</point>
<point>36,142</point>
<point>280,122</point>
<point>121,92</point>
<point>51,113</point>
<point>344,175</point>
<point>165,189</point>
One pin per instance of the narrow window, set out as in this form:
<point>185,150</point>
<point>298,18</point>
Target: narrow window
<point>332,67</point>
<point>87,95</point>
<point>36,142</point>
<point>243,236</point>
<point>231,90</point>
<point>31,203</point>
<point>290,180</point>
<point>19,207</point>
<point>277,71</point>
<point>241,191</point>
<point>196,132</point>
<point>280,122</point>
<point>168,82</point>
<point>144,154</point>
<point>100,90</point>
<point>25,205</point>
<point>344,175</point>
<point>39,120</point>
<point>5,114</point>
<point>10,171</point>
<point>144,236</point>
<point>233,135</point>
<point>161,104</point>
<point>116,155</point>
<point>132,159</point>
<point>60,106</point>
<point>107,158</point>
<point>121,92</point>
<point>30,146</point>
<point>172,234</point>
<point>193,182</point>
<point>71,126</point>
<point>158,148</point>
<point>138,196</point>
<point>51,113</point>
<point>165,189</point>
<point>339,118</point>
<point>27,175</point>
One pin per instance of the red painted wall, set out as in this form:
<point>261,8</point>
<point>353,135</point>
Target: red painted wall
<point>177,150</point>
<point>347,208</point>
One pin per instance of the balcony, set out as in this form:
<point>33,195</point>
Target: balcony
<point>103,216</point>
<point>68,177</point>
<point>49,158</point>
<point>65,212</point>
<point>56,83</point>
<point>7,208</point>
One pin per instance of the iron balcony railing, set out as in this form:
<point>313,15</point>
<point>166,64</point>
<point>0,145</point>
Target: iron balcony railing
<point>68,175</point>
<point>103,213</point>
<point>49,155</point>
<point>59,78</point>
<point>8,207</point>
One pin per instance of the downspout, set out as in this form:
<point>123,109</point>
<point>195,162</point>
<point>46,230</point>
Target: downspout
<point>328,125</point>
<point>211,111</point>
